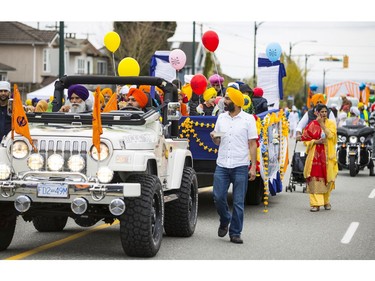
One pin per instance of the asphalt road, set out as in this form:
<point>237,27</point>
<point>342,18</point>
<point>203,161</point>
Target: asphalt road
<point>287,232</point>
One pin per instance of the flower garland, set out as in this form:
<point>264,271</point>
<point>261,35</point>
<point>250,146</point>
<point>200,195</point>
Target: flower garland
<point>188,130</point>
<point>284,132</point>
<point>266,123</point>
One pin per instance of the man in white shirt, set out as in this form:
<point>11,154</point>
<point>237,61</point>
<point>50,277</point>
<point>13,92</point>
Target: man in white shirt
<point>235,132</point>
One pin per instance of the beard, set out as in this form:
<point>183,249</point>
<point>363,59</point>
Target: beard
<point>229,107</point>
<point>78,107</point>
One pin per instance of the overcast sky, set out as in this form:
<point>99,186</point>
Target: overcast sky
<point>337,29</point>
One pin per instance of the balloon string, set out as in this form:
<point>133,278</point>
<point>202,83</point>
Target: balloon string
<point>217,72</point>
<point>114,66</point>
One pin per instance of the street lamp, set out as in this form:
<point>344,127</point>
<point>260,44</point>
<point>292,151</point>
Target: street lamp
<point>256,26</point>
<point>291,45</point>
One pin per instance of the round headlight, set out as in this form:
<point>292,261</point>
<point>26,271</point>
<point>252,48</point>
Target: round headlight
<point>4,171</point>
<point>35,161</point>
<point>362,139</point>
<point>105,174</point>
<point>20,149</point>
<point>55,162</point>
<point>76,163</point>
<point>104,152</point>
<point>343,138</point>
<point>353,139</point>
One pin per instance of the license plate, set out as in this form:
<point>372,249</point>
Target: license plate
<point>57,190</point>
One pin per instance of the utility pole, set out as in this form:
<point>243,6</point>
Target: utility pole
<point>256,26</point>
<point>61,50</point>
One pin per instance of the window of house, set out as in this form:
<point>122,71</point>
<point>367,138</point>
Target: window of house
<point>46,60</point>
<point>3,76</point>
<point>102,68</point>
<point>80,66</point>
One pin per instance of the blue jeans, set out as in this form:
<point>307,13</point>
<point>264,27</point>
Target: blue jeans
<point>239,178</point>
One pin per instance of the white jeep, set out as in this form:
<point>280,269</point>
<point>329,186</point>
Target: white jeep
<point>144,177</point>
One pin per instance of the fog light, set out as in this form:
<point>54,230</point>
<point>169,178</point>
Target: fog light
<point>55,162</point>
<point>4,171</point>
<point>35,161</point>
<point>105,174</point>
<point>76,163</point>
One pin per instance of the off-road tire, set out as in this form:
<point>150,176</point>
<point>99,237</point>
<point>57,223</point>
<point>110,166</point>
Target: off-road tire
<point>8,220</point>
<point>255,191</point>
<point>49,224</point>
<point>141,225</point>
<point>181,214</point>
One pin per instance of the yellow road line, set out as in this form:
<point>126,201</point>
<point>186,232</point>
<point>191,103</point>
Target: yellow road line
<point>60,242</point>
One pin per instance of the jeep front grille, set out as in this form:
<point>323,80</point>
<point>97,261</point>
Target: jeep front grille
<point>64,147</point>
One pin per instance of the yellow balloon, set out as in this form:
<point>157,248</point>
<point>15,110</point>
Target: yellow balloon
<point>112,41</point>
<point>187,90</point>
<point>128,67</point>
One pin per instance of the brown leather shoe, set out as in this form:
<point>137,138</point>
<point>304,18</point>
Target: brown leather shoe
<point>236,239</point>
<point>315,209</point>
<point>222,231</point>
<point>327,206</point>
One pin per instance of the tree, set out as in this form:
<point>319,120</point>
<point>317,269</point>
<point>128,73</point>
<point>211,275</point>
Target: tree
<point>140,40</point>
<point>293,83</point>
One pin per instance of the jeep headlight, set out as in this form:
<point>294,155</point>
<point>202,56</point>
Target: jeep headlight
<point>104,152</point>
<point>4,171</point>
<point>353,139</point>
<point>35,162</point>
<point>76,163</point>
<point>105,174</point>
<point>55,162</point>
<point>20,149</point>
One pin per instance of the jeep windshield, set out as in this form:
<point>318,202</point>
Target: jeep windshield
<point>118,117</point>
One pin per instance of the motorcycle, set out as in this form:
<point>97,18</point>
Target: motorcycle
<point>354,148</point>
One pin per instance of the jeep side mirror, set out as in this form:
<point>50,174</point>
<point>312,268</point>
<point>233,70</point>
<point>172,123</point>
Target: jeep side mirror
<point>174,111</point>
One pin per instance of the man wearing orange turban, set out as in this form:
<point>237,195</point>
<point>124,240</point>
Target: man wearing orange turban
<point>318,98</point>
<point>310,115</point>
<point>137,98</point>
<point>107,93</point>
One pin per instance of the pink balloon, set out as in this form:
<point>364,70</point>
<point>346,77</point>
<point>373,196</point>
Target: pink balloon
<point>177,59</point>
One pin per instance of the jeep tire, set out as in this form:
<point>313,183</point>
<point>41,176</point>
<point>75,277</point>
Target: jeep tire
<point>8,220</point>
<point>141,225</point>
<point>49,224</point>
<point>181,214</point>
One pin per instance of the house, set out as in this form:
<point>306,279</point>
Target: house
<point>32,56</point>
<point>4,71</point>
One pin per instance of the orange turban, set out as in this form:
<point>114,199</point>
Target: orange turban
<point>145,88</point>
<point>318,97</point>
<point>107,91</point>
<point>139,96</point>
